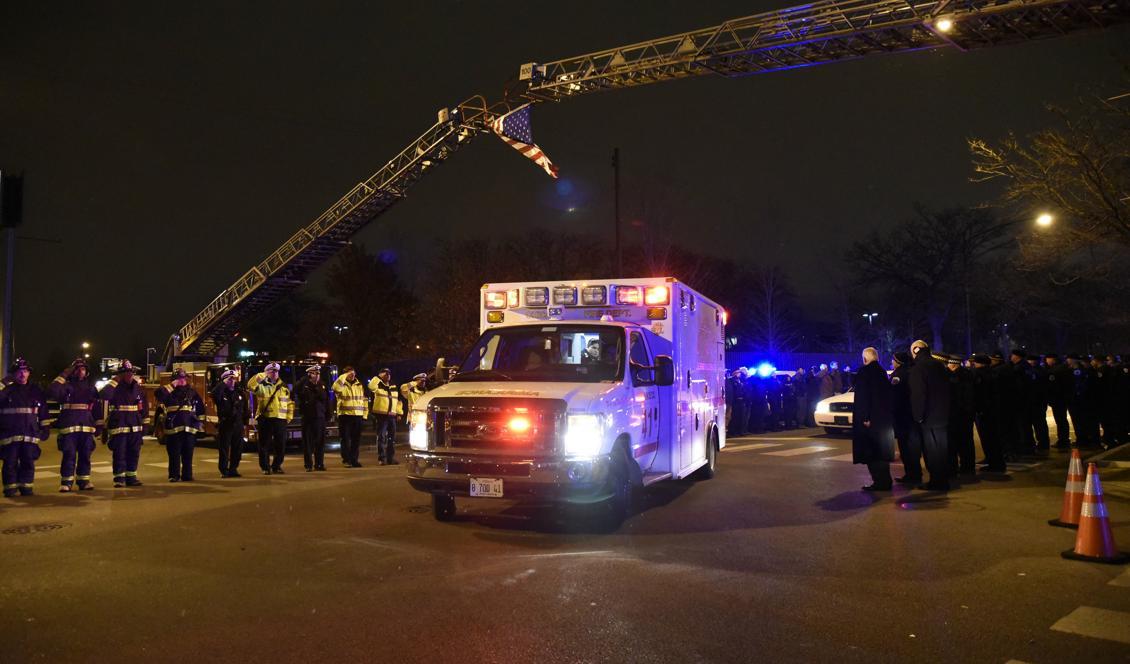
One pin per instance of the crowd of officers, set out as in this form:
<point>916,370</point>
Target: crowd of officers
<point>119,415</point>
<point>757,403</point>
<point>929,405</point>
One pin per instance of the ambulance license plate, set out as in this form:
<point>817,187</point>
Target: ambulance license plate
<point>483,487</point>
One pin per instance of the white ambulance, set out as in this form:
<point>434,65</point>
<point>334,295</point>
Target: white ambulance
<point>576,392</point>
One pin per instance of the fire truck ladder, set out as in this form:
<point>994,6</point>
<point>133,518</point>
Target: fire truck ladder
<point>812,34</point>
<point>819,33</point>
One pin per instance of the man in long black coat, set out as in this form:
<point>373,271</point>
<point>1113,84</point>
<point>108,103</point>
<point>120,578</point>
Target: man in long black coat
<point>930,408</point>
<point>900,397</point>
<point>962,414</point>
<point>873,436</point>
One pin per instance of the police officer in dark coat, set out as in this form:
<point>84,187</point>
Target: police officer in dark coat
<point>985,405</point>
<point>1081,404</point>
<point>233,414</point>
<point>902,419</point>
<point>1120,422</point>
<point>930,408</point>
<point>1005,405</point>
<point>962,414</point>
<point>1105,404</point>
<point>1038,391</point>
<point>313,404</point>
<point>757,403</point>
<point>1059,392</point>
<point>800,387</point>
<point>873,436</point>
<point>736,395</point>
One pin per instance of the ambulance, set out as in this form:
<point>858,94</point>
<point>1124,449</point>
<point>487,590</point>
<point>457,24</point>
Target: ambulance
<point>576,392</point>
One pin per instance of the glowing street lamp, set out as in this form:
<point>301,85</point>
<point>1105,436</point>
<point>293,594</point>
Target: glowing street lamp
<point>1044,220</point>
<point>86,345</point>
<point>944,24</point>
<point>871,318</point>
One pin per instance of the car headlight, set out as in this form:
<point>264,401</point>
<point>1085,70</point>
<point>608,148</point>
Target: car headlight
<point>823,408</point>
<point>418,430</point>
<point>584,435</point>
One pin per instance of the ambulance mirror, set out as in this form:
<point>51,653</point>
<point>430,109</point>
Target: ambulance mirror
<point>664,371</point>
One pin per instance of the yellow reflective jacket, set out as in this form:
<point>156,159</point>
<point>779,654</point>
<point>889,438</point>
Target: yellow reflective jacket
<point>350,396</point>
<point>280,407</point>
<point>411,393</point>
<point>386,401</point>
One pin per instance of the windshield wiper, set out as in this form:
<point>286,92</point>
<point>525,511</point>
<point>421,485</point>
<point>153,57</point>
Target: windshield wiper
<point>482,374</point>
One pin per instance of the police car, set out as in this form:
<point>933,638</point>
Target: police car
<point>834,413</point>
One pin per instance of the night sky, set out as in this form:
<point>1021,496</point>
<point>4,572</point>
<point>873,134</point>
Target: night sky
<point>171,146</point>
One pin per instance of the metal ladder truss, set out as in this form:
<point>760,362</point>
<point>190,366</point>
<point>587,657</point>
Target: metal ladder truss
<point>818,33</point>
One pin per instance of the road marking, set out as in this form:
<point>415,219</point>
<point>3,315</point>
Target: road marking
<point>1122,580</point>
<point>840,457</point>
<point>746,448</point>
<point>797,451</point>
<point>1096,623</point>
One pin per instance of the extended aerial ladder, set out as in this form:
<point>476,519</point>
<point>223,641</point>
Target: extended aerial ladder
<point>803,36</point>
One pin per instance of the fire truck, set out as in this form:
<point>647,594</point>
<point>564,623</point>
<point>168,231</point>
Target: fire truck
<point>576,392</point>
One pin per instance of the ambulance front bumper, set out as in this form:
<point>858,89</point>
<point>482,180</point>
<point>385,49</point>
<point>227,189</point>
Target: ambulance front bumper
<point>548,479</point>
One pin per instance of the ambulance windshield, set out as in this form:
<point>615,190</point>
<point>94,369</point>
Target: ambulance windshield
<point>547,353</point>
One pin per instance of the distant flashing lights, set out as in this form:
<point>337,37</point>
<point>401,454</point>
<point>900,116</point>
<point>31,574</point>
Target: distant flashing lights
<point>765,369</point>
<point>571,296</point>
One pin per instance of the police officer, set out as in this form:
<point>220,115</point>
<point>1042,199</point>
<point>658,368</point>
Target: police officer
<point>23,411</point>
<point>1059,380</point>
<point>273,411</point>
<point>413,390</point>
<point>962,414</point>
<point>930,406</point>
<point>1120,423</point>
<point>739,412</point>
<point>909,453</point>
<point>1081,405</point>
<point>183,409</point>
<point>233,414</point>
<point>349,392</point>
<point>985,408</point>
<point>80,421</point>
<point>386,407</point>
<point>1105,404</point>
<point>1039,389</point>
<point>313,402</point>
<point>127,413</point>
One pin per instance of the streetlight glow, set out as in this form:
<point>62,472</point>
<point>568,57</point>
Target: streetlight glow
<point>86,345</point>
<point>1045,219</point>
<point>944,24</point>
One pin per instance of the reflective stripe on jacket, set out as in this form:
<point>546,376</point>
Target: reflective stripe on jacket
<point>183,408</point>
<point>350,397</point>
<point>280,407</point>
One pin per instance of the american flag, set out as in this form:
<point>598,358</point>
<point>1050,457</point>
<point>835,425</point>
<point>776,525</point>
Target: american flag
<point>514,129</point>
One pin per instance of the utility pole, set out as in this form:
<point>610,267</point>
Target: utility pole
<point>11,199</point>
<point>616,208</point>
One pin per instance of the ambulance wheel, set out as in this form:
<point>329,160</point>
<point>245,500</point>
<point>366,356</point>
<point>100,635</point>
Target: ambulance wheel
<point>708,471</point>
<point>623,500</point>
<point>443,507</point>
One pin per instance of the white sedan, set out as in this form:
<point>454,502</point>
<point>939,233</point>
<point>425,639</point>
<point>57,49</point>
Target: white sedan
<point>834,413</point>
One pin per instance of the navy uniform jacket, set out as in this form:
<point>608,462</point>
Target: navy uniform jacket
<point>23,411</point>
<point>80,409</point>
<point>183,408</point>
<point>127,410</point>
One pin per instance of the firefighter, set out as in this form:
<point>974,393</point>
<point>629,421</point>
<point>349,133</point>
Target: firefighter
<point>313,399</point>
<point>232,411</point>
<point>273,411</point>
<point>80,422</point>
<point>386,408</point>
<point>413,390</point>
<point>349,393</point>
<point>23,414</point>
<point>127,414</point>
<point>183,408</point>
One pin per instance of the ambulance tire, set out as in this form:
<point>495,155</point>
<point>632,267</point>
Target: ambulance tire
<point>623,501</point>
<point>443,507</point>
<point>708,471</point>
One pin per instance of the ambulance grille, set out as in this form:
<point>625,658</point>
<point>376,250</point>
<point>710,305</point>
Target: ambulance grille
<point>482,423</point>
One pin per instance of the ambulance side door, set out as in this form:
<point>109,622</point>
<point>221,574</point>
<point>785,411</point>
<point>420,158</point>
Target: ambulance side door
<point>644,416</point>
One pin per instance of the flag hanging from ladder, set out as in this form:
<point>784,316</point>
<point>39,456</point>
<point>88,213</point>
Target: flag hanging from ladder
<point>514,129</point>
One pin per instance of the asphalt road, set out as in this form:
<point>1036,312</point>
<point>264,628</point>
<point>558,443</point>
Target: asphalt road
<point>779,558</point>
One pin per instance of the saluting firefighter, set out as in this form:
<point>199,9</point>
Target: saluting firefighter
<point>413,390</point>
<point>349,392</point>
<point>127,414</point>
<point>183,408</point>
<point>80,422</point>
<point>386,407</point>
<point>313,400</point>
<point>233,413</point>
<point>273,411</point>
<point>23,413</point>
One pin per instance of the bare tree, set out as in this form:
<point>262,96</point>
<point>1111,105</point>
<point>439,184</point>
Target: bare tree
<point>774,311</point>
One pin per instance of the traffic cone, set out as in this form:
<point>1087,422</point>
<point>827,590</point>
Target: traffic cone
<point>1072,494</point>
<point>1095,541</point>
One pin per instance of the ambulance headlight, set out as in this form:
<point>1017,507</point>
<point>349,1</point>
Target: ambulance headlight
<point>418,430</point>
<point>584,435</point>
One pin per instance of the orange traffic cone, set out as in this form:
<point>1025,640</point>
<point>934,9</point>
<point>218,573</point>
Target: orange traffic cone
<point>1072,494</point>
<point>1095,541</point>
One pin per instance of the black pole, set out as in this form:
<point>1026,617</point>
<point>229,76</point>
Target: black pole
<point>616,207</point>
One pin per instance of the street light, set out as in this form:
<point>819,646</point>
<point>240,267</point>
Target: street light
<point>871,318</point>
<point>86,345</point>
<point>1044,220</point>
<point>944,24</point>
